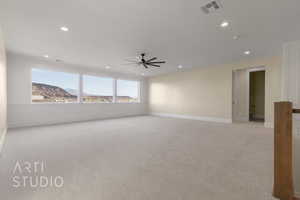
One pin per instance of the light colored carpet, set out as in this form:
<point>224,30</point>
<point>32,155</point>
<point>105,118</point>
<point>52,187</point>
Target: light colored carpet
<point>143,158</point>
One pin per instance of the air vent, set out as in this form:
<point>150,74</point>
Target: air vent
<point>58,60</point>
<point>211,7</point>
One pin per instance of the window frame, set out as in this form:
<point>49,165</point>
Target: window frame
<point>139,91</point>
<point>98,76</point>
<point>80,88</point>
<point>53,70</point>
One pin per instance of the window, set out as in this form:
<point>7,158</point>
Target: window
<point>127,91</point>
<point>97,89</point>
<point>50,86</point>
<point>62,87</point>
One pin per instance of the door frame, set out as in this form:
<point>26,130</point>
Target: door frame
<point>248,70</point>
<point>256,69</point>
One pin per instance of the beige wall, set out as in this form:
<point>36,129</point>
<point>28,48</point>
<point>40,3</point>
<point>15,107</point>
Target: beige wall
<point>207,91</point>
<point>3,96</point>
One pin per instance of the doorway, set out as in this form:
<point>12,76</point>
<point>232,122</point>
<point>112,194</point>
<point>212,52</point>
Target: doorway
<point>248,95</point>
<point>257,96</point>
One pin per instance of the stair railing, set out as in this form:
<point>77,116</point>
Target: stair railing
<point>283,151</point>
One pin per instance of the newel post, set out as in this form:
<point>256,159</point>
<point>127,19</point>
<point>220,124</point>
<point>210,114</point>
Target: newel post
<point>283,151</point>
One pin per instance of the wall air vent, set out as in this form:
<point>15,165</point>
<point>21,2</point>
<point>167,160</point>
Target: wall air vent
<point>211,7</point>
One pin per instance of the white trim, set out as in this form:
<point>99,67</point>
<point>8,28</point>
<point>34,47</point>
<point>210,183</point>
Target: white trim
<point>269,125</point>
<point>53,122</point>
<point>290,70</point>
<point>115,91</point>
<point>242,118</point>
<point>258,116</point>
<point>80,89</point>
<point>138,90</point>
<point>296,129</point>
<point>201,118</point>
<point>248,95</point>
<point>257,69</point>
<point>248,70</point>
<point>2,138</point>
<point>296,117</point>
<point>81,84</point>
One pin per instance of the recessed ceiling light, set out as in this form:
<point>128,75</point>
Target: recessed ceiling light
<point>247,52</point>
<point>180,66</point>
<point>224,24</point>
<point>65,29</point>
<point>107,67</point>
<point>142,74</point>
<point>46,56</point>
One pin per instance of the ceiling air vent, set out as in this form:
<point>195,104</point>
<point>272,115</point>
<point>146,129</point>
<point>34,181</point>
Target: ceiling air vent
<point>58,60</point>
<point>211,7</point>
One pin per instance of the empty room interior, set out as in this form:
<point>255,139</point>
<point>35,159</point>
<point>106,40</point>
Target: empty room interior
<point>140,100</point>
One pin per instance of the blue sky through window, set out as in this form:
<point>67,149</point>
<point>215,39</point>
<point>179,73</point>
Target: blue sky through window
<point>127,88</point>
<point>59,79</point>
<point>93,85</point>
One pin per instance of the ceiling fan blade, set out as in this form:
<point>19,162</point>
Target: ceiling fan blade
<point>153,65</point>
<point>151,59</point>
<point>158,62</point>
<point>145,65</point>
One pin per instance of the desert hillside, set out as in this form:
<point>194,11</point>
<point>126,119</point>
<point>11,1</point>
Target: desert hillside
<point>49,91</point>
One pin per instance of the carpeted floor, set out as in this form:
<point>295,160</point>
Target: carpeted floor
<point>141,158</point>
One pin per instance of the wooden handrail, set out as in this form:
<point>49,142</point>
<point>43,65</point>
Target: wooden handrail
<point>283,151</point>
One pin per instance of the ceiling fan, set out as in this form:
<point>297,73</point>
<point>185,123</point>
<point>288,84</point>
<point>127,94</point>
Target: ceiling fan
<point>146,62</point>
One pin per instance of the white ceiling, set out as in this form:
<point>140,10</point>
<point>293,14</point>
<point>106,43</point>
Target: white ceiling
<point>106,32</point>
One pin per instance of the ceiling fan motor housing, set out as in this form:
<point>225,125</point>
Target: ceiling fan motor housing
<point>150,62</point>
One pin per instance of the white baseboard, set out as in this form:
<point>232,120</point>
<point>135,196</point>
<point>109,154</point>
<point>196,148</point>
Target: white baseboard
<point>201,118</point>
<point>2,138</point>
<point>12,125</point>
<point>269,125</point>
<point>243,118</point>
<point>256,116</point>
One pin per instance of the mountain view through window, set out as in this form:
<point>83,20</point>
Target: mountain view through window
<point>51,86</point>
<point>61,87</point>
<point>97,89</point>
